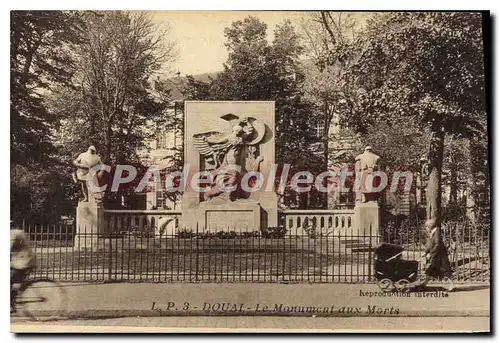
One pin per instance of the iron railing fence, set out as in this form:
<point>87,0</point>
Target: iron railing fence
<point>468,248</point>
<point>277,255</point>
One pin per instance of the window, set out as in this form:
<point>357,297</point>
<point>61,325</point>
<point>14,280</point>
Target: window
<point>161,200</point>
<point>162,141</point>
<point>320,130</point>
<point>346,198</point>
<point>423,196</point>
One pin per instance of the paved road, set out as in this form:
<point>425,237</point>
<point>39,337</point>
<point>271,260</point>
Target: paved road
<point>266,324</point>
<point>267,306</point>
<point>150,300</point>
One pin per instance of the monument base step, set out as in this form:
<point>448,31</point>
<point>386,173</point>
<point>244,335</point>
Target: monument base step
<point>358,245</point>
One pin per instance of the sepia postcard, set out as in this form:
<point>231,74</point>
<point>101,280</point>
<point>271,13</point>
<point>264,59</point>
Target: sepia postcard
<point>249,171</point>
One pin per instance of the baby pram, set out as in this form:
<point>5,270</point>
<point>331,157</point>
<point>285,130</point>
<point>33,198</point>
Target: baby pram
<point>392,272</point>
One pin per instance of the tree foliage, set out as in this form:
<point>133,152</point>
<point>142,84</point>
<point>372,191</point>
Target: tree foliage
<point>113,97</point>
<point>39,60</point>
<point>427,67</point>
<point>329,39</point>
<point>423,68</point>
<point>79,78</point>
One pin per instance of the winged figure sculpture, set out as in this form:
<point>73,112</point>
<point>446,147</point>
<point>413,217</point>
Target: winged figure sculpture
<point>212,145</point>
<point>224,149</point>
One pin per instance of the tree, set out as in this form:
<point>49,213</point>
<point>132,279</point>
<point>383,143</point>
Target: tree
<point>42,196</point>
<point>39,60</point>
<point>332,39</point>
<point>400,143</point>
<point>244,75</point>
<point>425,68</point>
<point>296,117</point>
<point>116,98</point>
<point>193,89</point>
<point>113,97</point>
<point>324,82</point>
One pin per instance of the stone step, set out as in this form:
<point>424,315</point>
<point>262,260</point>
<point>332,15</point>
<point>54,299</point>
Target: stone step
<point>356,245</point>
<point>350,241</point>
<point>353,242</point>
<point>366,248</point>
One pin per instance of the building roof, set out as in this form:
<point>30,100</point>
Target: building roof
<point>176,83</point>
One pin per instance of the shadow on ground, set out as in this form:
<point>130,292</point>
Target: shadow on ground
<point>443,289</point>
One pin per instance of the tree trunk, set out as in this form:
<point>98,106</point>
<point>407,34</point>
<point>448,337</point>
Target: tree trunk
<point>108,145</point>
<point>326,148</point>
<point>453,181</point>
<point>326,130</point>
<point>470,203</point>
<point>435,159</point>
<point>479,179</point>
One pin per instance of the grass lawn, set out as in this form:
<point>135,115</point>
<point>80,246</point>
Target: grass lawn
<point>171,259</point>
<point>162,265</point>
<point>180,265</point>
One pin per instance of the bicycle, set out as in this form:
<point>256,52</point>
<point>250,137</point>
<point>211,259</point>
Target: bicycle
<point>39,299</point>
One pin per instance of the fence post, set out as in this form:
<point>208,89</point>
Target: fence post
<point>197,251</point>
<point>370,246</point>
<point>110,258</point>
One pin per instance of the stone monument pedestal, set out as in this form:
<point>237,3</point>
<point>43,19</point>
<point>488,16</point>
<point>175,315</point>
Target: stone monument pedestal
<point>367,221</point>
<point>89,224</point>
<point>238,216</point>
<point>208,124</point>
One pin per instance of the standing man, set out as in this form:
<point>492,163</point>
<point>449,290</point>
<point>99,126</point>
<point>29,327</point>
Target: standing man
<point>84,162</point>
<point>437,262</point>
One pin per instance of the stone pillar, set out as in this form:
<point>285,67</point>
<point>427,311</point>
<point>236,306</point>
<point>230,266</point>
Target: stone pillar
<point>367,215</point>
<point>151,200</point>
<point>89,224</point>
<point>269,215</point>
<point>367,209</point>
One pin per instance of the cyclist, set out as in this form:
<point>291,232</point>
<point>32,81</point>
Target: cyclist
<point>22,261</point>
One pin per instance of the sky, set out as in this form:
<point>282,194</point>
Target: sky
<point>200,35</point>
